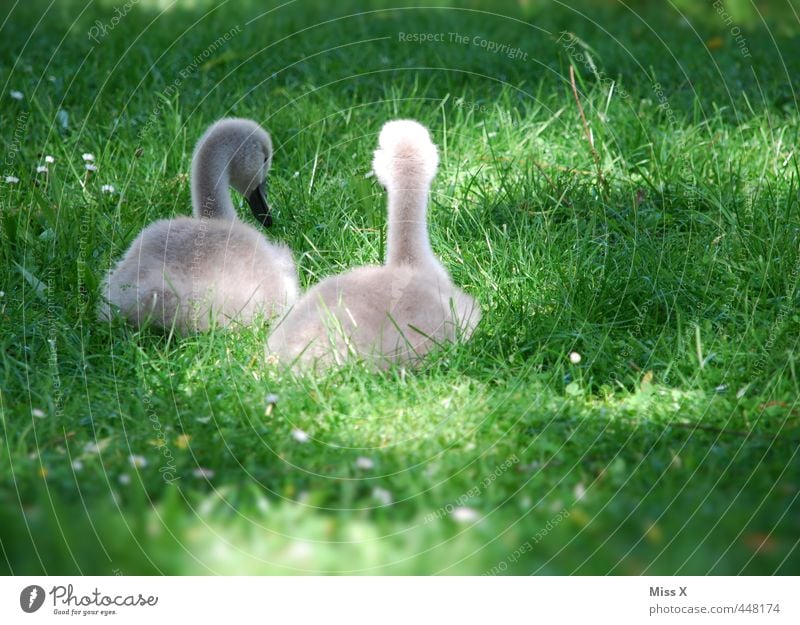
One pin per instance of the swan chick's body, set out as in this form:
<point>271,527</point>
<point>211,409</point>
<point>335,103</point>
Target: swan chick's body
<point>210,269</point>
<point>397,312</point>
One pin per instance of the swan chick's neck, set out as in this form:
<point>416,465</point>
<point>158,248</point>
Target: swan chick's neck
<point>408,242</point>
<point>211,196</point>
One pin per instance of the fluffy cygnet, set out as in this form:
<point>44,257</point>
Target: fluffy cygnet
<point>393,313</point>
<point>193,272</point>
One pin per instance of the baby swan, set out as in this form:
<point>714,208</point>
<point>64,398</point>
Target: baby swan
<point>397,312</point>
<point>192,272</point>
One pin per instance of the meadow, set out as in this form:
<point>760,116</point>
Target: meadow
<point>618,188</point>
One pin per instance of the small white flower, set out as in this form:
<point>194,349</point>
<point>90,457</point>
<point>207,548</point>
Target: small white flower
<point>362,462</point>
<point>272,398</point>
<point>296,174</point>
<point>203,474</point>
<point>2,293</point>
<point>77,465</point>
<point>41,169</point>
<point>88,157</point>
<point>300,550</point>
<point>108,188</point>
<point>16,95</point>
<point>124,479</point>
<point>12,179</point>
<point>382,495</point>
<point>300,436</point>
<point>526,502</point>
<point>90,167</point>
<point>575,358</point>
<point>38,413</point>
<point>462,514</point>
<point>49,159</point>
<point>579,491</point>
<point>138,462</point>
<point>91,448</point>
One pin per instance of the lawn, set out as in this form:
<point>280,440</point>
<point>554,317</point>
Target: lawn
<point>646,219</point>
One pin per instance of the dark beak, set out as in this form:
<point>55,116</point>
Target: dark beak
<point>259,205</point>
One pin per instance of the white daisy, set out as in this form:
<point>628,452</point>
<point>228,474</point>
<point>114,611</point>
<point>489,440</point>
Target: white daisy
<point>272,398</point>
<point>16,95</point>
<point>88,157</point>
<point>138,462</point>
<point>90,167</point>
<point>382,495</point>
<point>92,448</point>
<point>462,514</point>
<point>77,465</point>
<point>49,159</point>
<point>300,436</point>
<point>38,413</point>
<point>362,462</point>
<point>108,188</point>
<point>41,169</point>
<point>575,358</point>
<point>12,180</point>
<point>300,550</point>
<point>124,479</point>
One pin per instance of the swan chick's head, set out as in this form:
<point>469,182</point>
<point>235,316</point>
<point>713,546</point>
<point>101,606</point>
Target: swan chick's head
<point>242,149</point>
<point>406,156</point>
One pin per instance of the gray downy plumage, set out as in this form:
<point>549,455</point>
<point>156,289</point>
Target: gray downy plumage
<point>210,269</point>
<point>387,314</point>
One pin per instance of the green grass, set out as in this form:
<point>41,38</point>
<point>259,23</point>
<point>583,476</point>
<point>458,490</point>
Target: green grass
<point>670,448</point>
